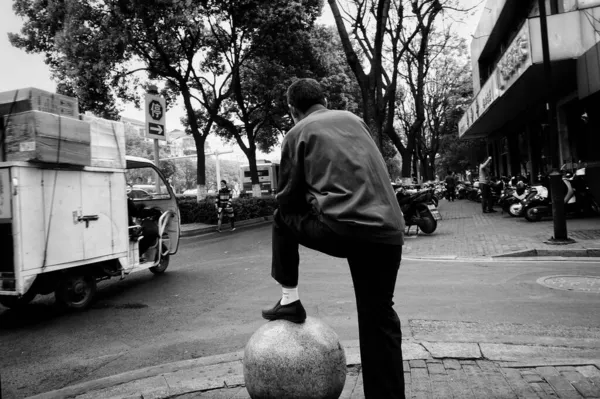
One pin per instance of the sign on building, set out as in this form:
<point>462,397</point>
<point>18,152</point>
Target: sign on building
<point>155,117</point>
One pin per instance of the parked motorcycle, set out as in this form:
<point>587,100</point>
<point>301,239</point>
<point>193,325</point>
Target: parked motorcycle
<point>581,203</point>
<point>418,210</point>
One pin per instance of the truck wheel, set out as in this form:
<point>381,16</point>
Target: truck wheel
<point>14,302</point>
<point>162,266</point>
<point>76,291</point>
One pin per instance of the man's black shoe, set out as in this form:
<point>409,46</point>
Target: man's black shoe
<point>293,312</point>
<point>492,210</point>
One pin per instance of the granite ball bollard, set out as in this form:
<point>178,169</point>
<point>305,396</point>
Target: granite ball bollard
<point>285,360</point>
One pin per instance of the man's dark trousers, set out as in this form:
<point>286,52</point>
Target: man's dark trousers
<point>486,197</point>
<point>374,268</point>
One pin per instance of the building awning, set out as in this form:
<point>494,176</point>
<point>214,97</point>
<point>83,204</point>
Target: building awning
<point>526,92</point>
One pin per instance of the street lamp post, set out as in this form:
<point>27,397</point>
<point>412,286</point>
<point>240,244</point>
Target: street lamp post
<point>556,184</point>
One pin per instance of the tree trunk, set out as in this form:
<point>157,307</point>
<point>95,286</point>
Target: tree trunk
<point>199,140</point>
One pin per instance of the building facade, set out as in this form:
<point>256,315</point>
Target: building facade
<point>509,107</point>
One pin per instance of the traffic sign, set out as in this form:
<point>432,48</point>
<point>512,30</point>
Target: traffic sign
<point>155,117</point>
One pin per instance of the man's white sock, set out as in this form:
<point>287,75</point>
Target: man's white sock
<point>289,295</point>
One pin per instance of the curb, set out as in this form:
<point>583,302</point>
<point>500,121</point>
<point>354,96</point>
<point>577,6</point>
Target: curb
<point>212,229</point>
<point>226,370</point>
<point>567,253</point>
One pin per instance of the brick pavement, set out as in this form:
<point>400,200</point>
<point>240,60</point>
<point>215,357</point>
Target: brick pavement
<point>464,379</point>
<point>466,232</point>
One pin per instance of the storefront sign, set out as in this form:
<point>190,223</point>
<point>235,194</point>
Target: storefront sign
<point>486,96</point>
<point>516,59</point>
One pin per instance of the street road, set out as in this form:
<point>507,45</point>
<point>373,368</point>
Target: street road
<point>209,302</point>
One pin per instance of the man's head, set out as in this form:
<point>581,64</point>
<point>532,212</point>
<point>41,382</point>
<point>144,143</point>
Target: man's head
<point>223,183</point>
<point>303,94</point>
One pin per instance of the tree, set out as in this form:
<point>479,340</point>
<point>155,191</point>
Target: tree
<point>99,50</point>
<point>438,81</point>
<point>375,35</point>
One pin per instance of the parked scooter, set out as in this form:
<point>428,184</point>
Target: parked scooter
<point>581,201</point>
<point>418,210</point>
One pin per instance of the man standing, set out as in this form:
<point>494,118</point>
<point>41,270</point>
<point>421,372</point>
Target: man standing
<point>224,206</point>
<point>451,185</point>
<point>335,196</point>
<point>484,185</point>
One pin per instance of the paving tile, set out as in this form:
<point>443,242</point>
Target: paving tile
<point>452,364</point>
<point>440,389</point>
<point>459,384</point>
<point>359,391</point>
<point>544,390</point>
<point>518,384</point>
<point>559,383</point>
<point>351,378</point>
<point>581,384</point>
<point>417,364</point>
<point>497,383</point>
<point>420,383</point>
<point>477,381</point>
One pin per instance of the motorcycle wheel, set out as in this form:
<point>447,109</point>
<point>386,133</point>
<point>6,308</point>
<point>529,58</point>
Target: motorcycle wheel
<point>427,224</point>
<point>162,266</point>
<point>514,210</point>
<point>532,216</point>
<point>75,291</point>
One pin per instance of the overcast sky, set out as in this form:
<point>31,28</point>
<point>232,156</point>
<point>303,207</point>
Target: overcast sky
<point>19,69</point>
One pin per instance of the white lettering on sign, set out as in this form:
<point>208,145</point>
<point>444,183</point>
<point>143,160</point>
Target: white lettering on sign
<point>515,60</point>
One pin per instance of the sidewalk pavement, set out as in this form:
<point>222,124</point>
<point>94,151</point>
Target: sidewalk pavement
<point>466,232</point>
<point>432,370</point>
<point>196,229</point>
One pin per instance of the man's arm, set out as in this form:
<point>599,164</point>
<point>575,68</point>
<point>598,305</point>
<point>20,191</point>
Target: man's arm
<point>487,162</point>
<point>292,183</point>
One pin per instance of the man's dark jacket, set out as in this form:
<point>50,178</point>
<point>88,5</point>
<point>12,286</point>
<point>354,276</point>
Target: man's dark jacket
<point>331,166</point>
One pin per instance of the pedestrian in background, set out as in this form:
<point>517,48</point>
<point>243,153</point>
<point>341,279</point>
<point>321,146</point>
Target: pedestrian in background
<point>224,205</point>
<point>451,185</point>
<point>337,199</point>
<point>484,186</point>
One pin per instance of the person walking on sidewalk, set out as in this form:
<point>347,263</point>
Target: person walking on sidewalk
<point>484,185</point>
<point>451,185</point>
<point>224,206</point>
<point>335,196</point>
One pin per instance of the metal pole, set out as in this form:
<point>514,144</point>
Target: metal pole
<point>156,162</point>
<point>556,184</point>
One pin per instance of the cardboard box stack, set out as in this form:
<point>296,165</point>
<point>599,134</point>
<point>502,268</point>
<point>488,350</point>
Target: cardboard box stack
<point>107,142</point>
<point>39,126</point>
<point>44,137</point>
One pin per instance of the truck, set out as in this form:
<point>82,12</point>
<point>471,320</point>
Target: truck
<point>268,175</point>
<point>64,228</point>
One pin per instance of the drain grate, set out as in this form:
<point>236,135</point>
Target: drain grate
<point>589,284</point>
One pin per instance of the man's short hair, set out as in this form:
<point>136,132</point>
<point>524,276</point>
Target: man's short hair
<point>304,93</point>
<point>223,181</point>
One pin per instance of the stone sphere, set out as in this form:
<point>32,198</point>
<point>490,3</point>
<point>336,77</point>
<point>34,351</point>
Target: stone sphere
<point>285,360</point>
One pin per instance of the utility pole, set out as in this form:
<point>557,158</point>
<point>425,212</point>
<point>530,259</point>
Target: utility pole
<point>556,183</point>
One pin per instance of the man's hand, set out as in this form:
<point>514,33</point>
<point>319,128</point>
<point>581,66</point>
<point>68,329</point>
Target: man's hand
<point>220,210</point>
